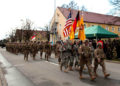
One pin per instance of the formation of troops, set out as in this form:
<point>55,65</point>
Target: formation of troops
<point>30,48</point>
<point>70,54</point>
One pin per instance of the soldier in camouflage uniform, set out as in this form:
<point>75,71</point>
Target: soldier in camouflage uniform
<point>85,54</point>
<point>47,50</point>
<point>26,49</point>
<point>34,49</point>
<point>99,59</point>
<point>57,52</point>
<point>75,54</point>
<point>41,47</point>
<point>65,56</point>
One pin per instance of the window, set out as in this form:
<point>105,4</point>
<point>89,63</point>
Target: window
<point>112,28</point>
<point>85,26</point>
<point>107,28</point>
<point>119,29</point>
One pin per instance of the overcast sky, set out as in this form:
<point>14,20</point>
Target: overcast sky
<point>39,11</point>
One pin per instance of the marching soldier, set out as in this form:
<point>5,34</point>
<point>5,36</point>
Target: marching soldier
<point>84,51</point>
<point>57,52</point>
<point>75,53</point>
<point>34,49</point>
<point>41,47</point>
<point>26,51</point>
<point>64,57</point>
<point>47,50</point>
<point>99,59</point>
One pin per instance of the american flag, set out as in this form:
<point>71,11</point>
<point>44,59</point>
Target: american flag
<point>67,26</point>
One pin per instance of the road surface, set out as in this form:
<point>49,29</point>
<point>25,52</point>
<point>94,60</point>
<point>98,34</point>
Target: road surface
<point>47,73</point>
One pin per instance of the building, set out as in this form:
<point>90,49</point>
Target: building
<point>39,35</point>
<point>110,23</point>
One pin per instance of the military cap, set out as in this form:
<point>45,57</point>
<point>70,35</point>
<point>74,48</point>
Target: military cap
<point>99,44</point>
<point>86,40</point>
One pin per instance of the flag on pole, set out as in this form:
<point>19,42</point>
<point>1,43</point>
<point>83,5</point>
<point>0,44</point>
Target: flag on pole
<point>73,27</point>
<point>81,33</point>
<point>67,26</point>
<point>33,38</point>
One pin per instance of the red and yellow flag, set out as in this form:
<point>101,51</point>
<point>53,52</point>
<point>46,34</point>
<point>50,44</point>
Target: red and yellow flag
<point>81,33</point>
<point>73,27</point>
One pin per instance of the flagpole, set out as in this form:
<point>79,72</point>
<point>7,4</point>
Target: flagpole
<point>54,20</point>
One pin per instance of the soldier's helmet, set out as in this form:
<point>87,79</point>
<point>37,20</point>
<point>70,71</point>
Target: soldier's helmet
<point>86,41</point>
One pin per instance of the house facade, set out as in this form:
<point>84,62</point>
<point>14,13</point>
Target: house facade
<point>110,23</point>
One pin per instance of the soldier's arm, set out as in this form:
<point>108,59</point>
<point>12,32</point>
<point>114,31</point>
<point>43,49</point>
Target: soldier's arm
<point>80,51</point>
<point>95,54</point>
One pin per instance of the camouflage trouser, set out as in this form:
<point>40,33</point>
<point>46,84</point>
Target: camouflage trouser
<point>26,53</point>
<point>85,61</point>
<point>102,64</point>
<point>41,52</point>
<point>71,60</point>
<point>64,59</point>
<point>76,59</point>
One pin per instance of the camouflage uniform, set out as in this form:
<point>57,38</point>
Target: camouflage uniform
<point>26,51</point>
<point>34,49</point>
<point>99,59</point>
<point>41,47</point>
<point>66,59</point>
<point>85,54</point>
<point>47,50</point>
<point>75,53</point>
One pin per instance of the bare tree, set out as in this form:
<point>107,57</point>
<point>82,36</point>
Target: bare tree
<point>48,32</point>
<point>27,32</point>
<point>115,3</point>
<point>83,8</point>
<point>116,10</point>
<point>72,5</point>
<point>12,36</point>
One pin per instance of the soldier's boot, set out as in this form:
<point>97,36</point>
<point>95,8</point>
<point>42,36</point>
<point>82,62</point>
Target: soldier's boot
<point>47,58</point>
<point>104,71</point>
<point>80,72</point>
<point>24,57</point>
<point>61,67</point>
<point>70,68</point>
<point>95,69</point>
<point>66,70</point>
<point>27,58</point>
<point>40,55</point>
<point>93,78</point>
<point>59,60</point>
<point>90,72</point>
<point>33,57</point>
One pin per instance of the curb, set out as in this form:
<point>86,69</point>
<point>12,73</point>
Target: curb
<point>2,78</point>
<point>118,62</point>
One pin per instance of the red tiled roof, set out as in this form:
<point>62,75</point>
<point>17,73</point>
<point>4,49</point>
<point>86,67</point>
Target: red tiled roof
<point>92,17</point>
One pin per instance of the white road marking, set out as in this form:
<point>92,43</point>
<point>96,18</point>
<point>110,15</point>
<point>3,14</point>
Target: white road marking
<point>52,63</point>
<point>19,65</point>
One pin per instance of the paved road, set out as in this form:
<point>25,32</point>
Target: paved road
<point>43,73</point>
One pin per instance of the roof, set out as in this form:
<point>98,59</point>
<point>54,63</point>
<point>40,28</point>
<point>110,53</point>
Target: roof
<point>20,31</point>
<point>92,17</point>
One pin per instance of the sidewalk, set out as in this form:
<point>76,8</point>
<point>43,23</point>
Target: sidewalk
<point>2,78</point>
<point>10,74</point>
